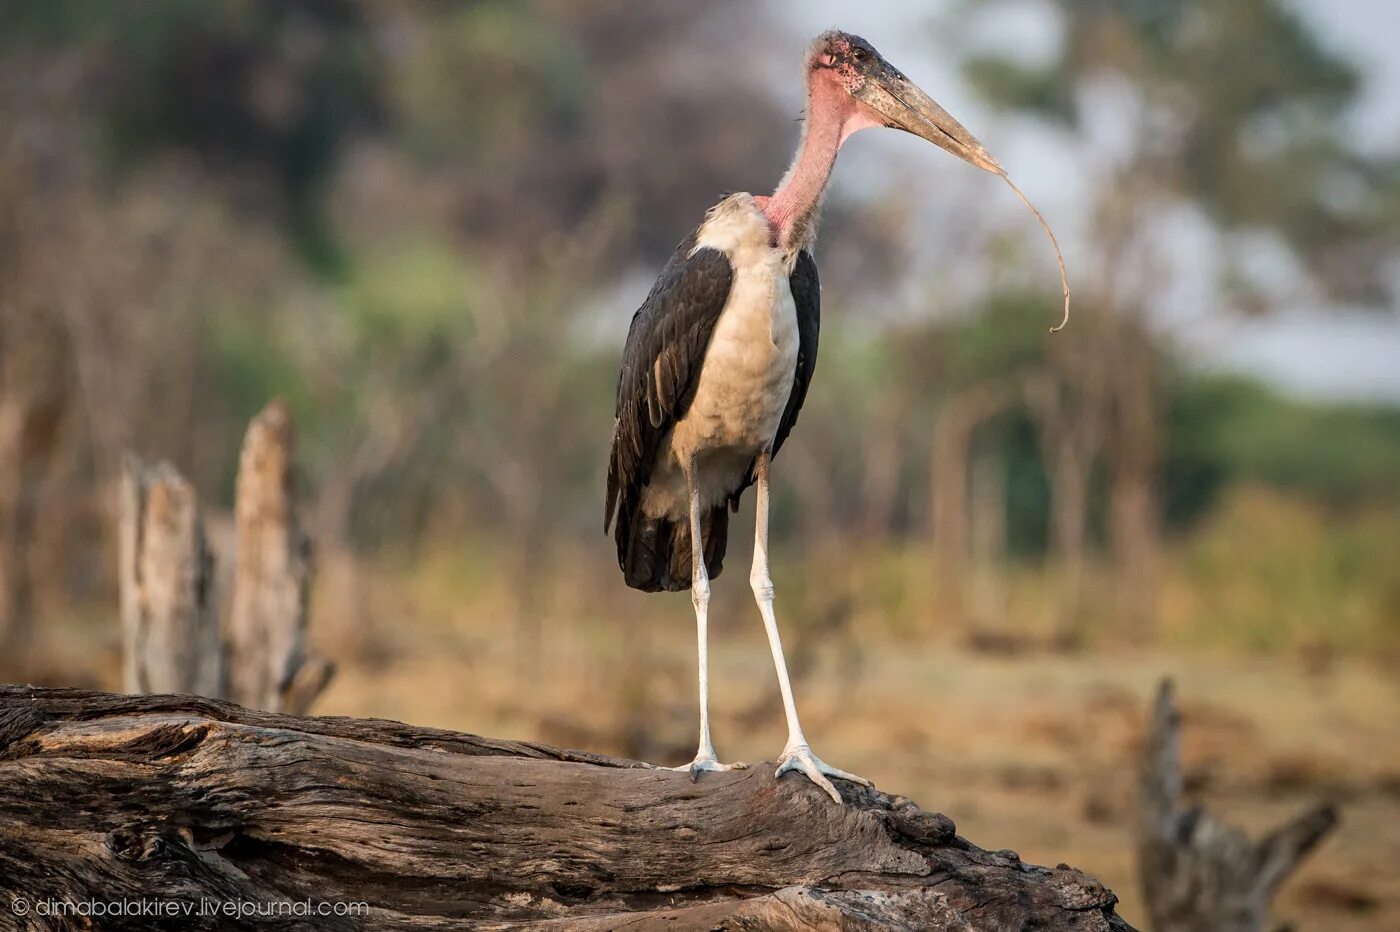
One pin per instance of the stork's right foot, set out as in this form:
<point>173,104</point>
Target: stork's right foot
<point>705,763</point>
<point>801,759</point>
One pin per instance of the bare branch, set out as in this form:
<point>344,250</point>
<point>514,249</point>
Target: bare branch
<point>1199,874</point>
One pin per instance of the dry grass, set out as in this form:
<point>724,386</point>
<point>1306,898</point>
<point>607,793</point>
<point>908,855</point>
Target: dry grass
<point>1034,751</point>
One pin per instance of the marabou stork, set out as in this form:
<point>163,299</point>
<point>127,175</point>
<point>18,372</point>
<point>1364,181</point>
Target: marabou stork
<point>720,355</point>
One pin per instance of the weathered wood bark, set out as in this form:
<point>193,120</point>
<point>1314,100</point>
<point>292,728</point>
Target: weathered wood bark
<point>1199,874</point>
<point>170,622</point>
<point>175,797</point>
<point>268,664</point>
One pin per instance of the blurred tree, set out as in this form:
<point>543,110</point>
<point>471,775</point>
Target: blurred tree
<point>422,223</point>
<point>268,91</point>
<point>457,182</point>
<point>1237,109</point>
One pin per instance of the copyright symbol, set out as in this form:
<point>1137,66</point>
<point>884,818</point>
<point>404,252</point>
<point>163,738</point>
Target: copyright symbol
<point>20,906</point>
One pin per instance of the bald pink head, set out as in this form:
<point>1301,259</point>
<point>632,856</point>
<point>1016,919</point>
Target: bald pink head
<point>832,116</point>
<point>851,87</point>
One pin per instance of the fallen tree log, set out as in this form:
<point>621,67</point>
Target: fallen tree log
<point>178,799</point>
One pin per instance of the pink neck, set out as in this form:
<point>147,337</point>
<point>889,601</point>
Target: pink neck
<point>832,116</point>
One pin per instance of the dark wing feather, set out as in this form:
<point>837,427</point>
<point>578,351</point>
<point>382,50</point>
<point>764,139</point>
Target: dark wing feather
<point>661,363</point>
<point>807,296</point>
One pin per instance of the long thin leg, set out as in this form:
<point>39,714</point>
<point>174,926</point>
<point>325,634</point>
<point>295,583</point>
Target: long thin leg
<point>797,755</point>
<point>700,597</point>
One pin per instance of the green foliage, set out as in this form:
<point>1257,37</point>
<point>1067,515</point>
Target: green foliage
<point>495,78</point>
<point>1005,336</point>
<point>1027,489</point>
<point>1045,92</point>
<point>250,369</point>
<point>1230,429</point>
<point>409,300</point>
<point>1219,431</point>
<point>224,79</point>
<point>1270,571</point>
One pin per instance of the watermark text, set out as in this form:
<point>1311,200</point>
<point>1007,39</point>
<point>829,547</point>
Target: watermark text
<point>177,908</point>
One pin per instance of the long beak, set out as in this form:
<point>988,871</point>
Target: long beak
<point>907,107</point>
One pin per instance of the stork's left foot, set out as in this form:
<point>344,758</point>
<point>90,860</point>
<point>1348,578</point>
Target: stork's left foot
<point>802,759</point>
<point>706,763</point>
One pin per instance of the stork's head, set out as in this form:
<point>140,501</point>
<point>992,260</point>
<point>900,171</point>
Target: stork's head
<point>880,95</point>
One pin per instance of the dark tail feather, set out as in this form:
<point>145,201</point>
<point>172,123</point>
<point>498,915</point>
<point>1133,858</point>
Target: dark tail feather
<point>716,540</point>
<point>714,527</point>
<point>655,552</point>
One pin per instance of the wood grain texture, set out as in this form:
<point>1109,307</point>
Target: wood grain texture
<point>104,797</point>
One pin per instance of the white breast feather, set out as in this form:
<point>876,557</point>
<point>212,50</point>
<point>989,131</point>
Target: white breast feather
<point>748,370</point>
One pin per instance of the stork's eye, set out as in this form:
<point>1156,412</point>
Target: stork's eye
<point>860,54</point>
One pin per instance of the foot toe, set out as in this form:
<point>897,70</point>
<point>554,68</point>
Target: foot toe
<point>705,764</point>
<point>802,759</point>
<point>843,775</point>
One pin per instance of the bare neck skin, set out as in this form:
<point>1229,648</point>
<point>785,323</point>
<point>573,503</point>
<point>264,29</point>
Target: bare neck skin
<point>832,116</point>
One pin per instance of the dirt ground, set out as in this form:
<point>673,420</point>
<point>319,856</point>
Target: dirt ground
<point>1034,753</point>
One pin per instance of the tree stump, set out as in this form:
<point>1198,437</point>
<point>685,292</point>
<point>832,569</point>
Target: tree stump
<point>170,622</point>
<point>1199,874</point>
<point>269,667</point>
<point>173,639</point>
<point>178,799</point>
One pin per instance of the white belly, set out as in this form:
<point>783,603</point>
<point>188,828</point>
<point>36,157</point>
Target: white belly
<point>748,371</point>
<point>746,378</point>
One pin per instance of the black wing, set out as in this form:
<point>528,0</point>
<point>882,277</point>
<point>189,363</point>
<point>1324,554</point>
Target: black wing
<point>807,295</point>
<point>661,364</point>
